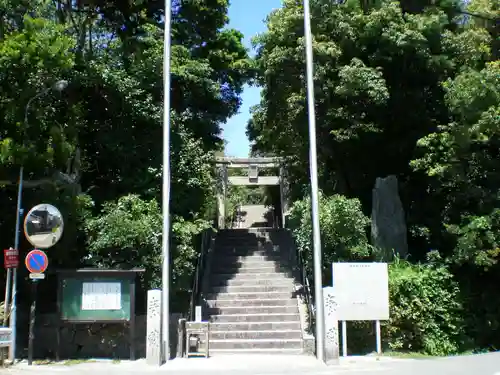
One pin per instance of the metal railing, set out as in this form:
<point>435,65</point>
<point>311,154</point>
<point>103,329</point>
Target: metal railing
<point>307,292</point>
<point>205,244</point>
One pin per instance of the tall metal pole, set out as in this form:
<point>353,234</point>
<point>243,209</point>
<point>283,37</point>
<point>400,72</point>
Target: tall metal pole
<point>165,275</point>
<point>13,313</point>
<point>318,285</point>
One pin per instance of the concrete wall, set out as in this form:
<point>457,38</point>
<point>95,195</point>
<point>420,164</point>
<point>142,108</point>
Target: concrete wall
<point>87,341</point>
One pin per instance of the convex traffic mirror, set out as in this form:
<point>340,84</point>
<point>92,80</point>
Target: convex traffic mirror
<point>43,226</point>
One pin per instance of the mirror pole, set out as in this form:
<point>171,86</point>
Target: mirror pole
<point>34,289</point>
<point>13,307</point>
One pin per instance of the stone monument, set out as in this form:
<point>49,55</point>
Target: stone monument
<point>388,230</point>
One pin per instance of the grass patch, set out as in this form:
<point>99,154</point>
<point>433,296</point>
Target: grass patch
<point>72,362</point>
<point>43,362</point>
<point>407,355</point>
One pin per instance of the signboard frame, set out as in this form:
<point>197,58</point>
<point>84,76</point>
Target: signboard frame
<point>69,305</point>
<point>5,332</point>
<point>361,290</point>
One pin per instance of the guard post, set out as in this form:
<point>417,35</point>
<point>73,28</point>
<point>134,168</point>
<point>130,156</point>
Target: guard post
<point>97,296</point>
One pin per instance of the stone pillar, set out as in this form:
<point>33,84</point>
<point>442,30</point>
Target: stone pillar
<point>221,195</point>
<point>153,329</point>
<point>331,355</point>
<point>388,231</point>
<point>284,192</point>
<point>282,196</point>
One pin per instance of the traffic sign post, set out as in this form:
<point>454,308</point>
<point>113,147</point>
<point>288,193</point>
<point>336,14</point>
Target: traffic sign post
<point>36,262</point>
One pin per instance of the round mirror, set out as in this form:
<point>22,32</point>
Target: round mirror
<point>43,226</point>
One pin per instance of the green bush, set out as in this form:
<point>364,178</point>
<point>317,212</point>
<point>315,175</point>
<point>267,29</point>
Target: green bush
<point>426,313</point>
<point>425,303</point>
<point>343,230</point>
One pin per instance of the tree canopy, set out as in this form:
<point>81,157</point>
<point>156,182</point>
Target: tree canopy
<point>405,88</point>
<point>95,149</point>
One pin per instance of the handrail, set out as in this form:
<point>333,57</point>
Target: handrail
<point>206,242</point>
<point>308,292</point>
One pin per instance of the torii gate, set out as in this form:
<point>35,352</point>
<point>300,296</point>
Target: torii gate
<point>253,179</point>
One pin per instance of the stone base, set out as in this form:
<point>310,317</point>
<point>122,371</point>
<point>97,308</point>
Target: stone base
<point>87,340</point>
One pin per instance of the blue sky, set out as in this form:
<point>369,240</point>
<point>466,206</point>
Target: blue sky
<point>248,17</point>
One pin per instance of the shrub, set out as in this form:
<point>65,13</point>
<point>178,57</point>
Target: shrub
<point>426,313</point>
<point>343,229</point>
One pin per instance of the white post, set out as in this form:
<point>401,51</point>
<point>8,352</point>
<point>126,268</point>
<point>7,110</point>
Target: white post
<point>331,325</point>
<point>379,337</point>
<point>153,328</point>
<point>344,338</point>
<point>165,273</point>
<point>313,163</point>
<point>197,314</point>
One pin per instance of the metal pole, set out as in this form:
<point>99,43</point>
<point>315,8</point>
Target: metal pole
<point>13,313</point>
<point>166,183</point>
<point>318,284</point>
<point>31,338</point>
<point>6,305</point>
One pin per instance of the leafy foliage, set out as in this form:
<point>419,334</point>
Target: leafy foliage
<point>426,312</point>
<point>401,88</point>
<point>128,234</point>
<point>343,230</point>
<point>95,150</point>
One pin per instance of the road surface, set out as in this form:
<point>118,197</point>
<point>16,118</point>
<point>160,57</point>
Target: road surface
<point>44,240</point>
<point>485,364</point>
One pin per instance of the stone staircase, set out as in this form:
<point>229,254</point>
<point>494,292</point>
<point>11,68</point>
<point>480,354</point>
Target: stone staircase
<point>250,294</point>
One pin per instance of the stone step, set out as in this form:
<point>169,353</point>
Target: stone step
<point>251,302</point>
<point>255,326</point>
<point>277,281</point>
<point>273,334</point>
<point>248,295</point>
<point>252,310</point>
<point>250,289</point>
<point>244,269</point>
<point>222,352</point>
<point>271,275</point>
<point>277,317</point>
<point>243,240</point>
<point>238,251</point>
<point>232,262</point>
<point>256,344</point>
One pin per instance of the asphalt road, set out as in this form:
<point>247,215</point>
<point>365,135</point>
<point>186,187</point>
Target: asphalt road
<point>43,240</point>
<point>485,364</point>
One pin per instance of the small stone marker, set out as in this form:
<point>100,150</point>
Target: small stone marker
<point>153,329</point>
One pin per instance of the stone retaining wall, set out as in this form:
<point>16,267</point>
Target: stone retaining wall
<point>87,340</point>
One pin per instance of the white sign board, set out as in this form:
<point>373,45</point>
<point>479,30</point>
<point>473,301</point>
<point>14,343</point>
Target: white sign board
<point>361,291</point>
<point>102,296</point>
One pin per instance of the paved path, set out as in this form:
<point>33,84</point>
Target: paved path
<point>486,364</point>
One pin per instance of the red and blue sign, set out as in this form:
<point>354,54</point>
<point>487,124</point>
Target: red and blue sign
<point>36,261</point>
